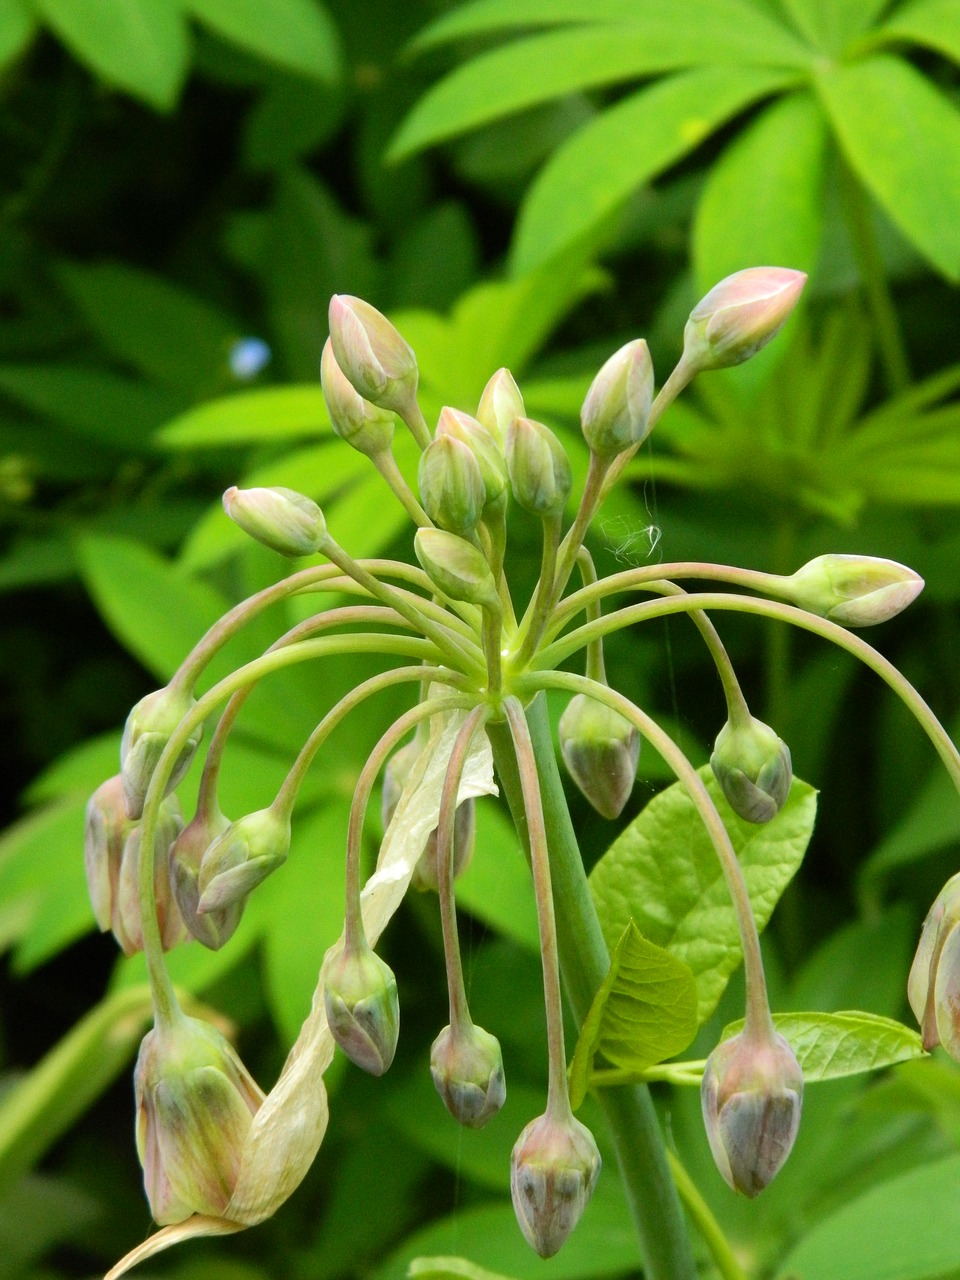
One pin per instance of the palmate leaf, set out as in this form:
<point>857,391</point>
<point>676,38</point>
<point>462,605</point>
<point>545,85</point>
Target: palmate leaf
<point>17,25</point>
<point>298,34</point>
<point>831,24</point>
<point>933,23</point>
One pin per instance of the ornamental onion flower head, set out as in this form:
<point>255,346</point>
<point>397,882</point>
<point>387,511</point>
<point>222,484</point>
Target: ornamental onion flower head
<point>241,857</point>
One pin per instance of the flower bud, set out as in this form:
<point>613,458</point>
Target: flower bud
<point>600,748</point>
<point>451,485</point>
<point>195,1104</point>
<point>500,403</point>
<point>753,768</point>
<point>242,857</point>
<point>553,1170</point>
<point>617,406</point>
<point>373,356</point>
<point>211,928</point>
<point>105,834</point>
<point>425,872</point>
<point>282,519</point>
<point>455,567</point>
<point>485,447</point>
<point>363,1012</point>
<point>467,1069</point>
<point>933,988</point>
<point>127,922</point>
<point>149,727</point>
<point>739,316</point>
<point>355,420</point>
<point>539,468</point>
<point>856,591</point>
<point>751,1096</point>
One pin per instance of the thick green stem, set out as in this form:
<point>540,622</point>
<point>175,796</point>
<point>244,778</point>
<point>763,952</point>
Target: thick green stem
<point>585,961</point>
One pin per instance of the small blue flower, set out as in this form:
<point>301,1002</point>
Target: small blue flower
<point>248,357</point>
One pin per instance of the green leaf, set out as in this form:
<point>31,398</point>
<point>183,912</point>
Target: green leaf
<point>644,1012</point>
<point>831,25</point>
<point>592,173</point>
<point>17,26</point>
<point>449,1269</point>
<point>274,413</point>
<point>663,873</point>
<point>137,45</point>
<point>294,33</point>
<point>832,1045</point>
<point>904,1229</point>
<point>496,886</point>
<point>902,138</point>
<point>934,23</point>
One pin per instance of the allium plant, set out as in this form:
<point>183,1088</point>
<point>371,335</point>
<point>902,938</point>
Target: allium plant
<point>218,1154</point>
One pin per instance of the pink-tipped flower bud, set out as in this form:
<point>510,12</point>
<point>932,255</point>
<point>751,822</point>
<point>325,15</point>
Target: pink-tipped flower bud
<point>451,485</point>
<point>856,591</point>
<point>282,519</point>
<point>933,988</point>
<point>195,1104</point>
<point>600,748</point>
<point>150,726</point>
<point>241,858</point>
<point>127,921</point>
<point>361,424</point>
<point>455,567</point>
<point>363,1010</point>
<point>617,407</point>
<point>739,316</point>
<point>539,468</point>
<point>211,928</point>
<point>500,403</point>
<point>425,873</point>
<point>751,1097</point>
<point>753,767</point>
<point>553,1171</point>
<point>467,1070</point>
<point>485,447</point>
<point>373,356</point>
<point>105,834</point>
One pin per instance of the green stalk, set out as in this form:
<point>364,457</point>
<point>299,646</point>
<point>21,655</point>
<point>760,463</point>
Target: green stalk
<point>724,1259</point>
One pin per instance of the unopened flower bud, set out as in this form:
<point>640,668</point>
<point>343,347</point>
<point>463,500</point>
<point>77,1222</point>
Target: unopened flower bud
<point>600,749</point>
<point>374,357</point>
<point>195,1104</point>
<point>467,1069</point>
<point>753,767</point>
<point>617,406</point>
<point>211,928</point>
<point>127,921</point>
<point>455,567</point>
<point>282,519</point>
<point>363,1012</point>
<point>500,403</point>
<point>242,857</point>
<point>933,988</point>
<point>485,447</point>
<point>739,316</point>
<point>355,420</point>
<point>451,485</point>
<point>425,872</point>
<point>150,726</point>
<point>553,1171</point>
<point>751,1097</point>
<point>105,834</point>
<point>856,591</point>
<point>539,467</point>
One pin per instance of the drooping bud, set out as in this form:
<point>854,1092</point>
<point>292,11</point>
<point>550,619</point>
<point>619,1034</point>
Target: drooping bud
<point>373,356</point>
<point>127,921</point>
<point>485,446</point>
<point>600,748</point>
<point>739,316</point>
<point>242,857</point>
<point>933,988</point>
<point>553,1171</point>
<point>455,567</point>
<point>425,872</point>
<point>856,591</point>
<point>500,403</point>
<point>467,1069</point>
<point>451,485</point>
<point>105,834</point>
<point>211,928</point>
<point>150,726</point>
<point>539,468</point>
<point>363,1011</point>
<point>355,420</point>
<point>617,406</point>
<point>753,766</point>
<point>195,1104</point>
<point>751,1097</point>
<point>282,519</point>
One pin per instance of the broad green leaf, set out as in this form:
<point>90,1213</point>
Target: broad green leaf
<point>644,1012</point>
<point>137,45</point>
<point>663,872</point>
<point>832,1045</point>
<point>250,417</point>
<point>534,70</point>
<point>592,173</point>
<point>902,138</point>
<point>17,26</point>
<point>112,410</point>
<point>903,1229</point>
<point>832,24</point>
<point>294,33</point>
<point>836,977</point>
<point>41,875</point>
<point>932,822</point>
<point>79,771</point>
<point>934,23</point>
<point>449,1269</point>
